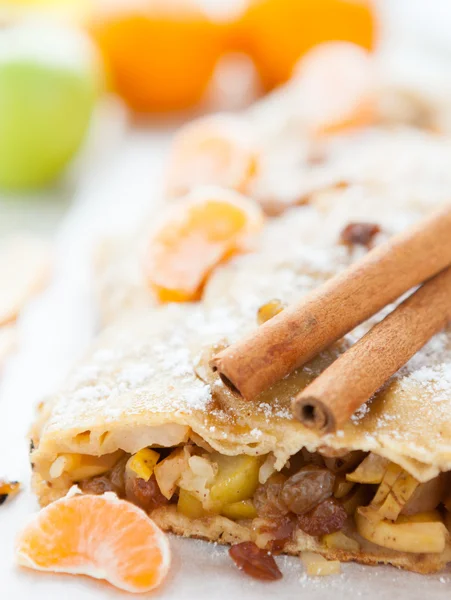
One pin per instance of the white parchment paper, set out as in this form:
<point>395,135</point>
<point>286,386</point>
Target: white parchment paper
<point>56,329</point>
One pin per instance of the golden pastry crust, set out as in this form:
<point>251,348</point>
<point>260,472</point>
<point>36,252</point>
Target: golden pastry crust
<point>223,531</point>
<point>146,380</point>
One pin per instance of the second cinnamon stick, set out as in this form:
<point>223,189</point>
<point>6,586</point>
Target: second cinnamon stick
<point>298,333</point>
<point>328,402</point>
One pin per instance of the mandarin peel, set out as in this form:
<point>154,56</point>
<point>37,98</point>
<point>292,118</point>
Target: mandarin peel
<point>159,59</point>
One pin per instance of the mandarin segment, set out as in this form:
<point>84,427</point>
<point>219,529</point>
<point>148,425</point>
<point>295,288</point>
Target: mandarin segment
<point>215,150</point>
<point>195,235</point>
<point>335,86</point>
<point>99,536</point>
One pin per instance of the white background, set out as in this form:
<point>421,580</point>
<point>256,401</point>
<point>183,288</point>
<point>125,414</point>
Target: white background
<point>117,181</point>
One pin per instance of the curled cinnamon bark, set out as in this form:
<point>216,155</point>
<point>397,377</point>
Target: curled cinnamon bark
<point>291,338</point>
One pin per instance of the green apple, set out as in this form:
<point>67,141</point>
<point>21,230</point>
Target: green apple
<point>49,77</point>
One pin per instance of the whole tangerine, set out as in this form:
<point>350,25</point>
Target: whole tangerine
<point>159,57</point>
<point>277,33</point>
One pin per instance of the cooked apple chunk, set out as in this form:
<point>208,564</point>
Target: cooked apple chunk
<point>422,533</point>
<point>237,478</point>
<point>370,471</point>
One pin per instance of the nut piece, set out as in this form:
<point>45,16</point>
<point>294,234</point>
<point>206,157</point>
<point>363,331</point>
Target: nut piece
<point>169,470</point>
<point>310,486</point>
<point>255,562</point>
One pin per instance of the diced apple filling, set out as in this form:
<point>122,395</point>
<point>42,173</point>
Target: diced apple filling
<point>317,566</point>
<point>314,494</point>
<point>422,533</point>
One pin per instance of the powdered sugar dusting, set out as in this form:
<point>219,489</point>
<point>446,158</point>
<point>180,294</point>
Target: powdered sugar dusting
<point>360,413</point>
<point>433,380</point>
<point>135,375</point>
<point>154,362</point>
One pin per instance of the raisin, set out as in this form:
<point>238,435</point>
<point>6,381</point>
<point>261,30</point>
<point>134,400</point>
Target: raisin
<point>281,531</point>
<point>145,494</point>
<point>96,486</point>
<point>307,488</point>
<point>327,517</point>
<point>345,463</point>
<point>359,233</point>
<point>117,476</point>
<point>255,562</point>
<point>267,499</point>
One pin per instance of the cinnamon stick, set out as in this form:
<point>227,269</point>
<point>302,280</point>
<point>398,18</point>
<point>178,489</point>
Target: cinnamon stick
<point>297,334</point>
<point>328,402</point>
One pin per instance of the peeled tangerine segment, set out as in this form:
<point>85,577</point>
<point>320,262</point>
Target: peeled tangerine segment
<point>98,536</point>
<point>422,533</point>
<point>211,151</point>
<point>196,234</point>
<point>335,83</point>
<point>237,478</point>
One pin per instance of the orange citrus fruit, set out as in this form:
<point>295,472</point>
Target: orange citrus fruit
<point>278,32</point>
<point>216,150</point>
<point>195,235</point>
<point>336,89</point>
<point>98,536</point>
<point>160,57</point>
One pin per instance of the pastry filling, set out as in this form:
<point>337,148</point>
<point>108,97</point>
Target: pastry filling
<point>344,500</point>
